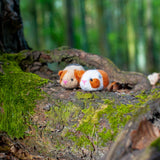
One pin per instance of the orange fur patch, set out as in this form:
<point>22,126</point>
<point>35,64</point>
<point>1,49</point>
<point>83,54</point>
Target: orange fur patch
<point>61,74</point>
<point>78,74</point>
<point>105,78</point>
<point>95,83</point>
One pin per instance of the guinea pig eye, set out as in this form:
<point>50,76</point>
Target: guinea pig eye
<point>71,79</point>
<point>91,79</point>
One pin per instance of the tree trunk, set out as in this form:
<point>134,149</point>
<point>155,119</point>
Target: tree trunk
<point>101,27</point>
<point>34,28</point>
<point>141,54</point>
<point>70,23</point>
<point>149,35</point>
<point>11,27</point>
<point>83,25</point>
<point>130,37</point>
<point>50,24</point>
<point>119,29</point>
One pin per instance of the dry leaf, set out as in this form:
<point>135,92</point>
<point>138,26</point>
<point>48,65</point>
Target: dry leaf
<point>144,135</point>
<point>154,78</point>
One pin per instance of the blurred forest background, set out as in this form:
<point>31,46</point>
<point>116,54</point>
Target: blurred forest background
<point>125,31</point>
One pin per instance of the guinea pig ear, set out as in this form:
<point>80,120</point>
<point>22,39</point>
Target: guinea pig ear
<point>60,72</point>
<point>78,74</point>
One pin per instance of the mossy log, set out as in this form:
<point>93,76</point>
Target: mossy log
<point>136,81</point>
<point>140,139</point>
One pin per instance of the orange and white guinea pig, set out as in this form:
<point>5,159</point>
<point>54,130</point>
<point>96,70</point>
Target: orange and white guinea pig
<point>93,80</point>
<point>69,76</point>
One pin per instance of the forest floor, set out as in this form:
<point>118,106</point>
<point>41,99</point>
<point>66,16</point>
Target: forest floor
<point>59,96</point>
<point>56,116</point>
<point>73,124</point>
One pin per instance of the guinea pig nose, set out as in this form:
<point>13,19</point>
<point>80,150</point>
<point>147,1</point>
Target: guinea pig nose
<point>65,82</point>
<point>84,81</point>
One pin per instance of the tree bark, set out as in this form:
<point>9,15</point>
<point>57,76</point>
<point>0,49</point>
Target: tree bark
<point>149,35</point>
<point>70,23</point>
<point>11,27</point>
<point>34,17</point>
<point>101,27</point>
<point>83,25</point>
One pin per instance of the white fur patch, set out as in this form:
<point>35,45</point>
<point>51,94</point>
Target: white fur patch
<point>85,80</point>
<point>73,67</point>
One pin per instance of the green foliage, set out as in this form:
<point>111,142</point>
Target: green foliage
<point>18,93</point>
<point>156,144</point>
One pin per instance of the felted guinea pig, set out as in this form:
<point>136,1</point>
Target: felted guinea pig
<point>70,76</point>
<point>93,80</point>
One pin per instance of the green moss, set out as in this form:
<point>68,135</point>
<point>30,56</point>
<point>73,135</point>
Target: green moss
<point>63,114</point>
<point>156,144</point>
<point>82,95</point>
<point>11,62</point>
<point>61,117</point>
<point>18,94</point>
<point>144,97</point>
<point>90,131</point>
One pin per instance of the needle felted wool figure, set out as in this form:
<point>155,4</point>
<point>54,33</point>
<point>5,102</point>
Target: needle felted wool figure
<point>68,76</point>
<point>93,80</point>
